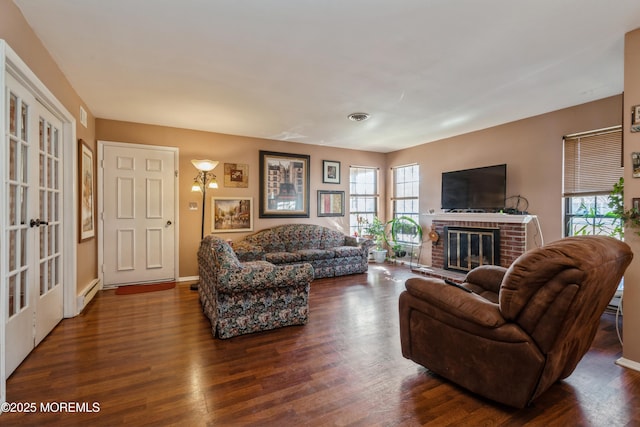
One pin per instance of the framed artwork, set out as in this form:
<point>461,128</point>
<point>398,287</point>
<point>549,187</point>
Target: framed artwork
<point>284,185</point>
<point>236,175</point>
<point>330,172</point>
<point>635,118</point>
<point>330,203</point>
<point>635,161</point>
<point>85,184</point>
<point>231,214</point>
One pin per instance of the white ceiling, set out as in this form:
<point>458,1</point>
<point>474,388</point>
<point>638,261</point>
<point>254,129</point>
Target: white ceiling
<point>294,69</point>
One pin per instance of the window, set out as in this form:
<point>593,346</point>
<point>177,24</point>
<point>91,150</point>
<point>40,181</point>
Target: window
<point>406,180</point>
<point>363,198</point>
<point>592,165</point>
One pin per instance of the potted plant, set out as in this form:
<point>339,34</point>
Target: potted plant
<point>377,230</point>
<point>629,218</point>
<point>405,226</point>
<point>361,222</point>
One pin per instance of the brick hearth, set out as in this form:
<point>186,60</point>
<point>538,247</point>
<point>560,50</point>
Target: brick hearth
<point>513,233</point>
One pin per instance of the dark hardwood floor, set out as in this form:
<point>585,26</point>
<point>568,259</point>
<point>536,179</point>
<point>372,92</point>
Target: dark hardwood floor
<point>150,359</point>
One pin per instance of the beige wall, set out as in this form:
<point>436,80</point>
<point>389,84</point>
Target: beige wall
<point>234,149</point>
<point>631,318</point>
<point>532,150</point>
<point>21,38</point>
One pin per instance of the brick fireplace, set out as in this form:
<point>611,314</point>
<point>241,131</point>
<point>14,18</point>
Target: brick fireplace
<point>513,237</point>
<point>468,247</point>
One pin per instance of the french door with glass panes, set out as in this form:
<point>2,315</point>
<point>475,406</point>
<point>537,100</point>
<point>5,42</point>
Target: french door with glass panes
<point>32,264</point>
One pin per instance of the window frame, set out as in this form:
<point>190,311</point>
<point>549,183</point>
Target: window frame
<point>406,188</point>
<point>358,217</point>
<point>588,166</point>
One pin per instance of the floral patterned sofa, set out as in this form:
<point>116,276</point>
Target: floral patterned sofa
<point>330,252</point>
<point>245,297</point>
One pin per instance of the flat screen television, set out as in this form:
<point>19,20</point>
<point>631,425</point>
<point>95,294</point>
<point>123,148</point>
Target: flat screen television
<point>478,189</point>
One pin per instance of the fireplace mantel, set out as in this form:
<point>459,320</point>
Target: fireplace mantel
<point>514,238</point>
<point>481,217</point>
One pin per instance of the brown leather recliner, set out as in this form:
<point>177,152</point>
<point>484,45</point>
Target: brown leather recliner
<point>521,329</point>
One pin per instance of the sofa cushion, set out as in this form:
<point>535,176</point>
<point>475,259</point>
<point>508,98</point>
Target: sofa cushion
<point>346,251</point>
<point>270,240</point>
<point>315,254</point>
<point>302,236</point>
<point>332,239</point>
<point>283,257</point>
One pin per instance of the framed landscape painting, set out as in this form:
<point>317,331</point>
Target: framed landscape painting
<point>284,185</point>
<point>231,214</point>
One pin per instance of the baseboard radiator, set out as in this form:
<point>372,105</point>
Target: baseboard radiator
<point>87,294</point>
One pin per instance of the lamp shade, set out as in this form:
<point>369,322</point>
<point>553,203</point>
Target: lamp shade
<point>204,165</point>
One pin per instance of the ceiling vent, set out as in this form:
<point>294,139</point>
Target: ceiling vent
<point>358,117</point>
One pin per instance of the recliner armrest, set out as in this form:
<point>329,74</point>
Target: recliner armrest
<point>488,277</point>
<point>458,303</point>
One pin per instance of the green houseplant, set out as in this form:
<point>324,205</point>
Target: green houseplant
<point>377,230</point>
<point>389,233</point>
<point>628,217</point>
<point>599,224</point>
<point>402,226</point>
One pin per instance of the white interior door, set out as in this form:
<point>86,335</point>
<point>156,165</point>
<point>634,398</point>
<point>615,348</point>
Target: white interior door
<point>138,214</point>
<point>33,224</point>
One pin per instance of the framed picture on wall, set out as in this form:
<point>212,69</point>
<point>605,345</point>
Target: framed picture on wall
<point>284,185</point>
<point>330,172</point>
<point>635,118</point>
<point>231,214</point>
<point>85,184</point>
<point>236,175</point>
<point>330,203</point>
<point>635,162</point>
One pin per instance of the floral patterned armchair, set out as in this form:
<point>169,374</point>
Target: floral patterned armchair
<point>241,298</point>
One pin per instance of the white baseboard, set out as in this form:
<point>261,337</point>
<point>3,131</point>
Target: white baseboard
<point>626,363</point>
<point>188,279</point>
<point>87,294</point>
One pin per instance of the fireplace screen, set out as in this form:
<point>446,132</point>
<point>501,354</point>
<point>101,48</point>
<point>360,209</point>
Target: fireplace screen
<point>466,248</point>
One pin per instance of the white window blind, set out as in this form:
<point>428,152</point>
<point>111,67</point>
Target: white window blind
<point>592,162</point>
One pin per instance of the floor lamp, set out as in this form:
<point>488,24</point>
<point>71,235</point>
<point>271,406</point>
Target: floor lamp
<point>205,179</point>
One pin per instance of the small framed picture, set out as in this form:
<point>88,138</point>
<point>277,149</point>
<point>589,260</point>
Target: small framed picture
<point>330,203</point>
<point>85,181</point>
<point>635,162</point>
<point>635,118</point>
<point>330,172</point>
<point>236,175</point>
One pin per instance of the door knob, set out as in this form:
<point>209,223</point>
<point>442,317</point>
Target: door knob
<point>169,223</point>
<point>37,222</point>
